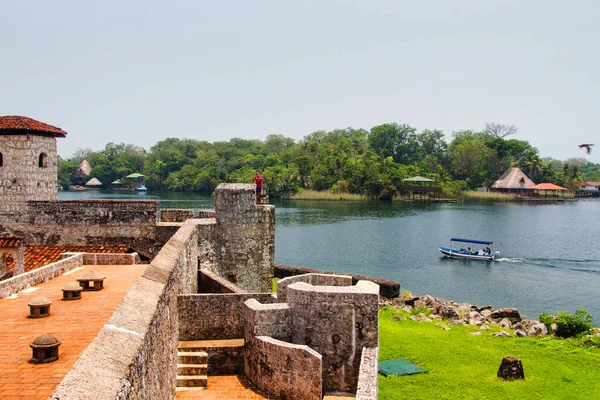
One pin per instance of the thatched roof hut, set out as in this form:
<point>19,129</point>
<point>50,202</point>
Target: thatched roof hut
<point>84,169</point>
<point>513,181</point>
<point>94,182</point>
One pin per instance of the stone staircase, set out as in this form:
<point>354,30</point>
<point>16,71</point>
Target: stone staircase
<point>193,363</point>
<point>192,369</point>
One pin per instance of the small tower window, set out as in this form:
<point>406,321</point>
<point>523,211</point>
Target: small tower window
<point>43,161</point>
<point>1,160</point>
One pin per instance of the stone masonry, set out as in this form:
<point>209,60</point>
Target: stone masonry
<point>21,176</point>
<point>246,239</point>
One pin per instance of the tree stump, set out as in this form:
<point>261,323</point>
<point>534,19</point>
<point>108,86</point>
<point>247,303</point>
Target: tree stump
<point>511,368</point>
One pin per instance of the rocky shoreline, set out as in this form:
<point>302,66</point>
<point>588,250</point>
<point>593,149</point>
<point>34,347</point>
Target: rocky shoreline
<point>467,314</point>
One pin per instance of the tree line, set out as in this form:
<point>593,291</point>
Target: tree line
<point>371,162</point>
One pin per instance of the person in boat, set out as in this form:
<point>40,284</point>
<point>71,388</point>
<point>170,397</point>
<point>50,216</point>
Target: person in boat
<point>487,250</point>
<point>468,250</point>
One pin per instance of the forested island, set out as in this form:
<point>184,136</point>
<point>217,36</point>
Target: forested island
<point>371,162</point>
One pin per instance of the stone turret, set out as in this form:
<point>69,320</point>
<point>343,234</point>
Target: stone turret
<point>28,162</point>
<point>246,242</point>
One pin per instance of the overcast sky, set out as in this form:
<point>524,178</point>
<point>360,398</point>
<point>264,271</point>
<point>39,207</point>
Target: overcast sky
<point>141,71</point>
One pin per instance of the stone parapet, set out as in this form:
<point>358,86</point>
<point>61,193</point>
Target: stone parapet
<point>273,320</point>
<point>214,316</point>
<point>367,375</point>
<point>31,278</point>
<point>181,214</point>
<point>134,355</point>
<point>388,289</point>
<point>284,370</point>
<point>313,279</point>
<point>208,282</point>
<point>89,221</point>
<point>336,321</point>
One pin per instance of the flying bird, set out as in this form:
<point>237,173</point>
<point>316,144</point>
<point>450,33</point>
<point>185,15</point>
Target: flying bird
<point>587,146</point>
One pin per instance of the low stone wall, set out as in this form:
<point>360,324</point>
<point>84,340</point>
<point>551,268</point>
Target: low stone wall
<point>134,355</point>
<point>367,375</point>
<point>313,279</point>
<point>111,259</point>
<point>284,370</point>
<point>214,316</point>
<point>209,282</point>
<point>181,214</point>
<point>31,278</point>
<point>87,221</point>
<point>389,289</point>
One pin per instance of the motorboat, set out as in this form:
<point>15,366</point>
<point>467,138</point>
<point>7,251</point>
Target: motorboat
<point>470,251</point>
<point>142,188</point>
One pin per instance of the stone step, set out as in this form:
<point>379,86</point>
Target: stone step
<point>192,357</point>
<point>339,396</point>
<point>192,369</point>
<point>188,389</point>
<point>198,345</point>
<point>192,381</point>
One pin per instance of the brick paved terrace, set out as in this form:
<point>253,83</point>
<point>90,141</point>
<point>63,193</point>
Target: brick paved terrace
<point>75,323</point>
<point>224,387</point>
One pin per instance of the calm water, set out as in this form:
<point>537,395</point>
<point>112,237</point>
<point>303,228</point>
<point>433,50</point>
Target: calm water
<point>549,261</point>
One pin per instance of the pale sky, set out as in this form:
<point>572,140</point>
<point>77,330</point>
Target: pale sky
<point>141,71</point>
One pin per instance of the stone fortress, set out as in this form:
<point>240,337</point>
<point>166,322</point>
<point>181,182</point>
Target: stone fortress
<point>204,305</point>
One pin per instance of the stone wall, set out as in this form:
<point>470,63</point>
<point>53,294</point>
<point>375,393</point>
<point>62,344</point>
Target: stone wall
<point>209,282</point>
<point>389,289</point>
<point>214,316</point>
<point>134,355</point>
<point>91,221</point>
<point>21,178</point>
<point>111,259</point>
<point>181,214</point>
<point>313,279</point>
<point>367,375</point>
<point>336,321</point>
<point>246,237</point>
<point>31,278</point>
<point>284,370</point>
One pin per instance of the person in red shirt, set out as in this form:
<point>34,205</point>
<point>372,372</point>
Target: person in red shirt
<point>258,179</point>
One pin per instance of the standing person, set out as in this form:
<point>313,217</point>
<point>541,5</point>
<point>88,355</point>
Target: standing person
<point>258,179</point>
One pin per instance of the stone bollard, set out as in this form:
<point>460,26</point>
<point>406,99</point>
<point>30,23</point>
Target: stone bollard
<point>511,368</point>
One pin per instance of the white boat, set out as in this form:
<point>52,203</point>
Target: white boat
<point>142,188</point>
<point>470,252</point>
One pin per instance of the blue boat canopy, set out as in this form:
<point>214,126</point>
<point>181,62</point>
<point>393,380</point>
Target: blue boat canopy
<point>470,241</point>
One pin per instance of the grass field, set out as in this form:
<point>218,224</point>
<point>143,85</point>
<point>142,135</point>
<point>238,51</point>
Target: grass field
<point>463,366</point>
<point>326,195</point>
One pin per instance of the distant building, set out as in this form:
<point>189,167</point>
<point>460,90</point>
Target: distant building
<point>93,183</point>
<point>85,169</point>
<point>28,157</point>
<point>513,181</point>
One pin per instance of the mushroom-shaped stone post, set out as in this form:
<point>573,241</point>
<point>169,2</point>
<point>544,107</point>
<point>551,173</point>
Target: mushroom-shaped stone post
<point>72,291</point>
<point>91,280</point>
<point>45,349</point>
<point>39,307</point>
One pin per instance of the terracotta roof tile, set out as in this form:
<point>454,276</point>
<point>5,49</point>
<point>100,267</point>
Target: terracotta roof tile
<point>14,124</point>
<point>10,241</point>
<point>39,255</point>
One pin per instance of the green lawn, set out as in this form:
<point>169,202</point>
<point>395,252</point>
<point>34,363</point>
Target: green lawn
<point>463,366</point>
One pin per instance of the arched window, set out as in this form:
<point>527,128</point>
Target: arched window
<point>1,160</point>
<point>43,161</point>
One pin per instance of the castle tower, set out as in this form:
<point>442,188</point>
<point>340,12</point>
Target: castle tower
<point>28,162</point>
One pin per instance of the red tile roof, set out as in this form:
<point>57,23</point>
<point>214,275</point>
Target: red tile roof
<point>38,255</point>
<point>10,241</point>
<point>548,186</point>
<point>14,124</point>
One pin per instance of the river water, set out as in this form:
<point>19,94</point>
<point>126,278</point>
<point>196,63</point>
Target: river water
<point>549,253</point>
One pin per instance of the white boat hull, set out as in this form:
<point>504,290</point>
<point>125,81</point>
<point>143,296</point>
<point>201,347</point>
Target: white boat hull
<point>453,253</point>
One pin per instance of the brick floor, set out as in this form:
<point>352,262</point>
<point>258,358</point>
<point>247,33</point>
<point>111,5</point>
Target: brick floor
<point>224,387</point>
<point>75,323</point>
